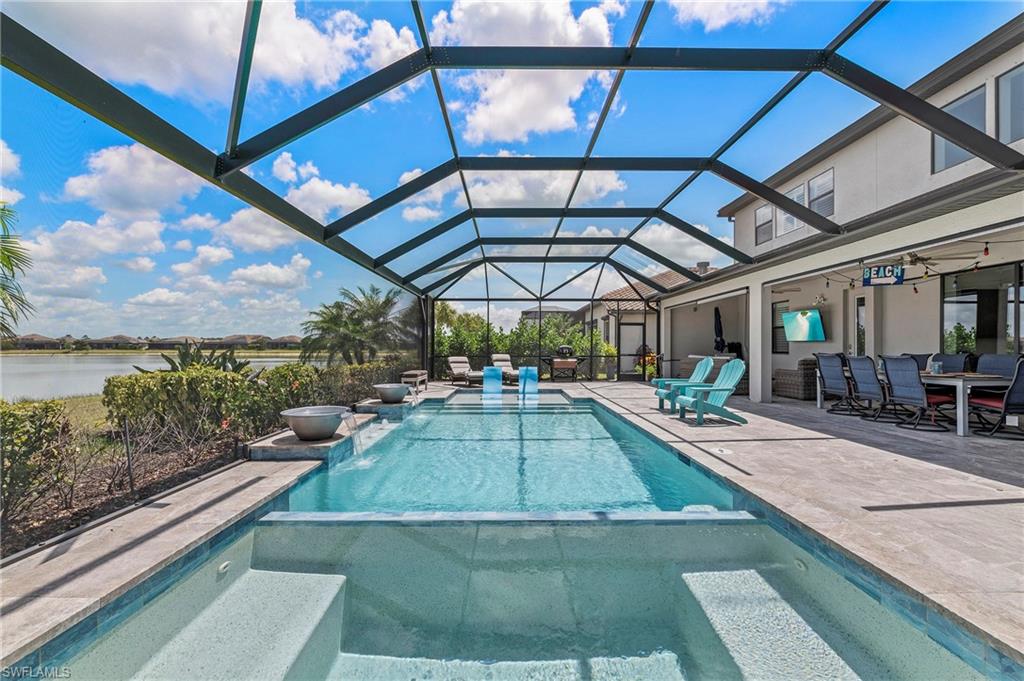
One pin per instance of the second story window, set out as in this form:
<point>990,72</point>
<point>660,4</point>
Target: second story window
<point>971,110</point>
<point>1010,90</point>
<point>763,224</point>
<point>822,192</point>
<point>787,223</point>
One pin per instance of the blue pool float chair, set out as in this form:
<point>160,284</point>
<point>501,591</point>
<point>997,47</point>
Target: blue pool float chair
<point>707,398</point>
<point>671,388</point>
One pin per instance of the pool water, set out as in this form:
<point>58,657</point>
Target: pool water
<point>545,601</point>
<point>475,457</point>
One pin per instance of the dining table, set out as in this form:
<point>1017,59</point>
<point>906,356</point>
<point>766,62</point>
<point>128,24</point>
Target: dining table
<point>962,382</point>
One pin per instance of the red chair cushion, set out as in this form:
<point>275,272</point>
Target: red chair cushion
<point>986,401</point>
<point>939,399</point>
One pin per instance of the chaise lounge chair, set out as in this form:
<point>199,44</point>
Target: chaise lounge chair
<point>462,371</point>
<point>671,388</point>
<point>508,372</point>
<point>703,398</point>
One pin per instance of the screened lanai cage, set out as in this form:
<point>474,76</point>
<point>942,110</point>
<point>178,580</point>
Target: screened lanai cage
<point>526,197</point>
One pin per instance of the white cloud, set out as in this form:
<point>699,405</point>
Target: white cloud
<point>538,187</point>
<point>139,264</point>
<point>672,243</point>
<point>183,245</point>
<point>323,199</point>
<point>504,317</point>
<point>10,162</point>
<point>78,241</point>
<point>206,257</point>
<point>510,105</point>
<point>203,221</point>
<point>10,195</point>
<point>191,48</point>
<point>253,230</point>
<point>716,14</point>
<point>284,168</point>
<point>132,181</point>
<point>62,281</point>
<point>420,213</point>
<point>159,297</point>
<point>289,276</point>
<point>383,45</point>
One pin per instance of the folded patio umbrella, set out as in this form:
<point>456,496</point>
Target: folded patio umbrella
<point>719,335</point>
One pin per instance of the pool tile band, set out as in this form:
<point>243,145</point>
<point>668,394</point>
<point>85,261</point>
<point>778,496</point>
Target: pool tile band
<point>510,518</point>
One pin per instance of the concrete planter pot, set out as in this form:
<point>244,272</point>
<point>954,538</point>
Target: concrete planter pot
<point>315,423</point>
<point>391,393</point>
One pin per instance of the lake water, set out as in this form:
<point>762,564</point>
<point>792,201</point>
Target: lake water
<point>64,375</point>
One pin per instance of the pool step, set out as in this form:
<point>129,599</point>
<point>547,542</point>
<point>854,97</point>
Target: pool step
<point>660,666</point>
<point>765,637</point>
<point>266,625</point>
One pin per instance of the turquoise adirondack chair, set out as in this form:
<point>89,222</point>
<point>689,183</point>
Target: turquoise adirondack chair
<point>671,388</point>
<point>710,398</point>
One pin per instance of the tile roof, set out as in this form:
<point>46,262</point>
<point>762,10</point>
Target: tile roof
<point>627,295</point>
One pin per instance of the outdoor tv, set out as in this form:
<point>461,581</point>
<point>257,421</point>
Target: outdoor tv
<point>803,325</point>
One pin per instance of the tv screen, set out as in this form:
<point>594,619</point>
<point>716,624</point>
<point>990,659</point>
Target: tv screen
<point>803,325</point>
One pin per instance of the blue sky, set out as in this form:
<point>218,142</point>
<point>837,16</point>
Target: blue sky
<point>125,242</point>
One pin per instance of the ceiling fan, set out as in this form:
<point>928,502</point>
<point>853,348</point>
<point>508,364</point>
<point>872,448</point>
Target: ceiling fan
<point>912,258</point>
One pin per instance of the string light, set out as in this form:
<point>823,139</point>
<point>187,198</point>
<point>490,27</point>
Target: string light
<point>827,282</point>
<point>956,281</point>
<point>852,285</point>
<point>985,252</point>
<point>975,266</point>
<point>925,273</point>
<point>915,288</point>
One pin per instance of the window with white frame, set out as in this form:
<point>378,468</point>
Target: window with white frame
<point>763,224</point>
<point>1010,109</point>
<point>821,191</point>
<point>971,110</point>
<point>787,223</point>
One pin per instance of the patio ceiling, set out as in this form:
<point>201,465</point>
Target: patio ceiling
<point>25,53</point>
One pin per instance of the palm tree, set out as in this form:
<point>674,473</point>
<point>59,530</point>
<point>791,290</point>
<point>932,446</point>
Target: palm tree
<point>14,260</point>
<point>354,328</point>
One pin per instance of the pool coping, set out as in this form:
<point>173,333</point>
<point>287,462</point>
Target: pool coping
<point>971,643</point>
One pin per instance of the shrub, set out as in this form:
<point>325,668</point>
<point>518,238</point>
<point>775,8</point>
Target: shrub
<point>347,384</point>
<point>30,451</point>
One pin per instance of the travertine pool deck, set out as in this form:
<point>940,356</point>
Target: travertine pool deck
<point>50,591</point>
<point>954,537</point>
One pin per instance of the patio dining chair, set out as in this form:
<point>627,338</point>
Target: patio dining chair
<point>906,389</point>
<point>670,389</point>
<point>832,369</point>
<point>986,405</point>
<point>952,364</point>
<point>508,372</point>
<point>867,388</point>
<point>998,365</point>
<point>703,398</point>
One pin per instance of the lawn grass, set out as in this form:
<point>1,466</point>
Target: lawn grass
<point>86,412</point>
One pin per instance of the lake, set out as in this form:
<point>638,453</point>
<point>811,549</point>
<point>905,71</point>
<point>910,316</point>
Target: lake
<point>42,376</point>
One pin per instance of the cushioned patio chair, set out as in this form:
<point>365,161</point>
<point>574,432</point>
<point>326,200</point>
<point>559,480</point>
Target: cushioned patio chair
<point>907,390</point>
<point>508,372</point>
<point>672,388</point>
<point>985,406</point>
<point>703,398</point>
<point>920,358</point>
<point>461,371</point>
<point>834,383</point>
<point>867,388</point>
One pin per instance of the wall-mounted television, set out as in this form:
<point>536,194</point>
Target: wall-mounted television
<point>803,325</point>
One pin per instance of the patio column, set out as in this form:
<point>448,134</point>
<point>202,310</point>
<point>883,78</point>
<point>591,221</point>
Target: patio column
<point>759,317</point>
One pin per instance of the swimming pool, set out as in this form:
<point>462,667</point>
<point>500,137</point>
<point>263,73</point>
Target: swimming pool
<point>545,601</point>
<point>506,541</point>
<point>507,457</point>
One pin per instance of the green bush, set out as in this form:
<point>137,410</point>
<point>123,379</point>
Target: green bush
<point>30,452</point>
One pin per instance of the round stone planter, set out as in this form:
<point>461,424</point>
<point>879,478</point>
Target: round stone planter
<point>391,393</point>
<point>315,423</point>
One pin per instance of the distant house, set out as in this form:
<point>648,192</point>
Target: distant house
<point>172,343</point>
<point>34,341</point>
<point>118,342</point>
<point>239,341</point>
<point>285,343</point>
<point>532,314</point>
